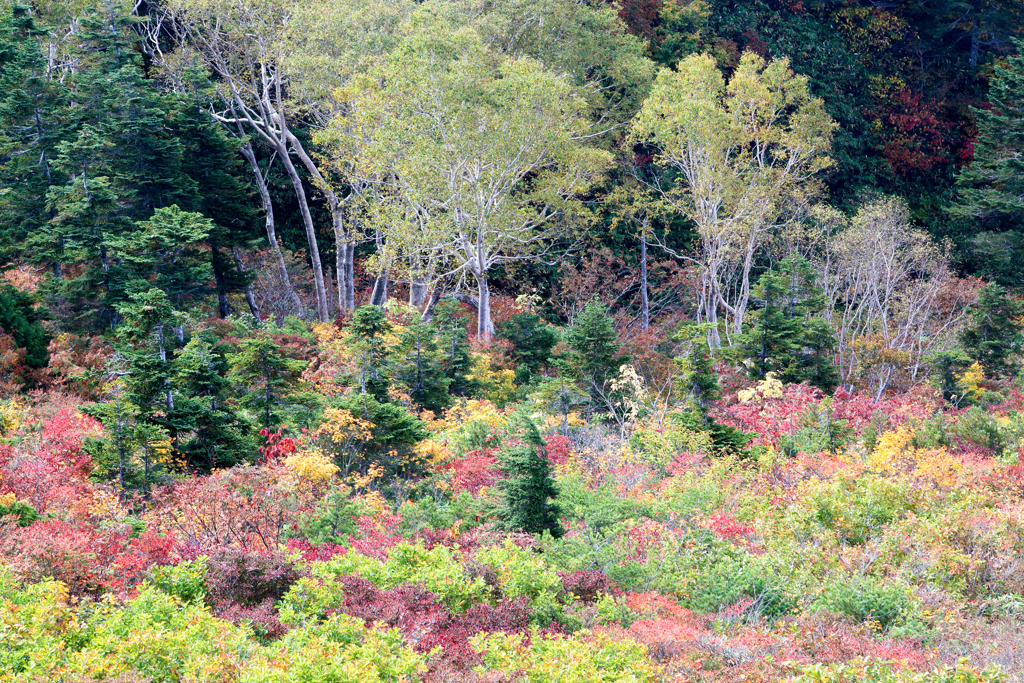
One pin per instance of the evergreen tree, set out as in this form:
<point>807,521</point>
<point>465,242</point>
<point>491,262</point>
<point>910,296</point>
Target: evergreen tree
<point>220,435</point>
<point>992,337</point>
<point>532,343</point>
<point>366,341</point>
<point>528,491</point>
<point>32,124</point>
<point>20,319</point>
<point>417,367</point>
<point>784,336</point>
<point>453,345</point>
<point>593,358</point>
<point>947,367</point>
<point>265,379</point>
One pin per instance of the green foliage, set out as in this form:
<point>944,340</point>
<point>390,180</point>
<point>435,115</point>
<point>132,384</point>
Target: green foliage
<point>528,491</point>
<point>185,580</point>
<point>23,513</point>
<point>368,327</point>
<point>332,520</point>
<point>593,357</point>
<point>19,319</point>
<point>419,368</point>
<point>395,431</point>
<point>992,337</point>
<point>868,600</point>
<point>266,379</point>
<point>453,346</point>
<point>947,368</point>
<point>532,344</point>
<point>785,335</point>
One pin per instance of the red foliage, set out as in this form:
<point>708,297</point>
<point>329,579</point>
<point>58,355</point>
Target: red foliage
<point>587,586</point>
<point>475,470</point>
<point>558,449</point>
<point>277,445</point>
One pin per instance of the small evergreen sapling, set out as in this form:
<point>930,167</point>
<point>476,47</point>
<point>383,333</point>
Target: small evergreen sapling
<point>528,491</point>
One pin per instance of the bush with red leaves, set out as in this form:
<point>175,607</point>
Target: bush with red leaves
<point>587,586</point>
<point>243,585</point>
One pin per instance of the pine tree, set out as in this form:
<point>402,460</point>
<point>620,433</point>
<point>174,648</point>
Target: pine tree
<point>417,367</point>
<point>20,319</point>
<point>784,336</point>
<point>528,491</point>
<point>370,354</point>
<point>594,356</point>
<point>993,336</point>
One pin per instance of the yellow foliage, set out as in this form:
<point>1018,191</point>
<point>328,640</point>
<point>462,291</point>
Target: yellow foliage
<point>7,499</point>
<point>311,466</point>
<point>466,412</point>
<point>971,379</point>
<point>498,385</point>
<point>342,427</point>
<point>769,387</point>
<point>11,415</point>
<point>895,455</point>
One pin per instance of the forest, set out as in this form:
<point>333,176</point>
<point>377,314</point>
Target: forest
<point>499,341</point>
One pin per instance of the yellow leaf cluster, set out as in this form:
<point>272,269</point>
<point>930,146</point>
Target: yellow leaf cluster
<point>311,466</point>
<point>341,426</point>
<point>12,413</point>
<point>498,385</point>
<point>768,388</point>
<point>895,455</point>
<point>971,379</point>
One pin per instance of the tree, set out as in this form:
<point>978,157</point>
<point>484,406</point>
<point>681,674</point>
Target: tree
<point>532,343</point>
<point>787,336</point>
<point>528,491</point>
<point>453,346</point>
<point>485,147</point>
<point>992,186</point>
<point>593,358</point>
<point>743,152</point>
<point>20,319</point>
<point>266,379</point>
<point>417,365</point>
<point>992,338</point>
<point>369,351</point>
<point>241,44</point>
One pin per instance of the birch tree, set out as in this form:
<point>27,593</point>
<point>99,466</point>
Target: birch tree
<point>742,152</point>
<point>483,146</point>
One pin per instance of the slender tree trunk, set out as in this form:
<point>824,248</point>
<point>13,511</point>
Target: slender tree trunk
<point>484,326</point>
<point>645,308</point>
<point>223,307</point>
<point>350,276</point>
<point>247,290</point>
<point>268,210</point>
<point>322,309</point>
<point>417,287</point>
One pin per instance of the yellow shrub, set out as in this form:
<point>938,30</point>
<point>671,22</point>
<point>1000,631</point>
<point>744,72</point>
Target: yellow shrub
<point>311,466</point>
<point>11,415</point>
<point>895,455</point>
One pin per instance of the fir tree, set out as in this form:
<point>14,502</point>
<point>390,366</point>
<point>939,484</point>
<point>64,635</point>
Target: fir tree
<point>784,336</point>
<point>593,358</point>
<point>417,367</point>
<point>266,380</point>
<point>992,337</point>
<point>453,345</point>
<point>368,328</point>
<point>532,343</point>
<point>528,491</point>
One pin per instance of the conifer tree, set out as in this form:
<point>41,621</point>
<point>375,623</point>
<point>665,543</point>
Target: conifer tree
<point>453,345</point>
<point>784,336</point>
<point>266,380</point>
<point>417,367</point>
<point>532,343</point>
<point>993,336</point>
<point>594,356</point>
<point>368,327</point>
<point>528,491</point>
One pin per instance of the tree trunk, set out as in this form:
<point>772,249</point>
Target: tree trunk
<point>247,290</point>
<point>314,250</point>
<point>435,296</point>
<point>417,289</point>
<point>379,296</point>
<point>484,325</point>
<point>975,38</point>
<point>645,307</point>
<point>268,210</point>
<point>350,276</point>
